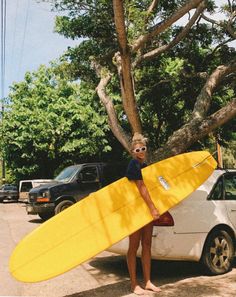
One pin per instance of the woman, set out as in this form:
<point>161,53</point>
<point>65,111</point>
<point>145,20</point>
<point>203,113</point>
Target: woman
<point>144,235</point>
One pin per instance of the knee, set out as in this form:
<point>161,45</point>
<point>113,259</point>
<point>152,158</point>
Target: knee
<point>146,244</point>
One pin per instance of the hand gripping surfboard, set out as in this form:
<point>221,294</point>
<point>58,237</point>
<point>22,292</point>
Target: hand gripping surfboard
<point>105,217</point>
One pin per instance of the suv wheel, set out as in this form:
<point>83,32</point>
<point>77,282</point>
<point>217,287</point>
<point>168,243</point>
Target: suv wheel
<point>218,253</point>
<point>45,216</point>
<point>63,205</point>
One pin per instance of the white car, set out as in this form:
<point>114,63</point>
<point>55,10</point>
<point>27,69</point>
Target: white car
<point>26,185</point>
<point>201,228</point>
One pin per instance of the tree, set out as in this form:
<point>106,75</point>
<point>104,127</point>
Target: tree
<point>122,38</point>
<point>50,122</point>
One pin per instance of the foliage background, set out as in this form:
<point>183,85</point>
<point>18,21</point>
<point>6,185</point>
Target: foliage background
<point>49,123</point>
<point>54,117</point>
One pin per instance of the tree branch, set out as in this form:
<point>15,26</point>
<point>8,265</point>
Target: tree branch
<point>114,124</point>
<point>226,26</point>
<point>231,31</point>
<point>213,22</point>
<point>219,118</point>
<point>152,6</point>
<point>150,10</point>
<point>201,75</point>
<point>195,130</point>
<point>220,45</point>
<point>204,99</point>
<point>159,28</point>
<point>175,41</point>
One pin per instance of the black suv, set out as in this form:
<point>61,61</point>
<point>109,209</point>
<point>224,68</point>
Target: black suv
<point>9,192</point>
<point>71,185</point>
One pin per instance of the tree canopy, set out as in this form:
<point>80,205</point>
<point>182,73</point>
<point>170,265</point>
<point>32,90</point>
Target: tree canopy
<point>164,68</point>
<point>51,122</point>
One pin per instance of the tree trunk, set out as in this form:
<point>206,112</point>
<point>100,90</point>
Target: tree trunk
<point>123,62</point>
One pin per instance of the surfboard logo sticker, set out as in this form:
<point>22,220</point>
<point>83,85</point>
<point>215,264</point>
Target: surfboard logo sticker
<point>164,183</point>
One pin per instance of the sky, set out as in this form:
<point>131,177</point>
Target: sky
<point>30,39</point>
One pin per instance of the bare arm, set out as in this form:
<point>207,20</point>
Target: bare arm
<point>146,197</point>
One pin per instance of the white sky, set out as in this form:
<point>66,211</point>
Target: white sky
<point>30,40</point>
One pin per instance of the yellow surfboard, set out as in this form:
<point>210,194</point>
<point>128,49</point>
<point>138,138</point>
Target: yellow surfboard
<point>105,217</point>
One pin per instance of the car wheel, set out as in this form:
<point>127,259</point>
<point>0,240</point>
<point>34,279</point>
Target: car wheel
<point>63,205</point>
<point>218,253</point>
<point>46,216</point>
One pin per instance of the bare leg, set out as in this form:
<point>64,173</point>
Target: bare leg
<point>134,240</point>
<point>146,240</point>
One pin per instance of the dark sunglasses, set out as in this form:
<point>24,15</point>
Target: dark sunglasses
<point>140,149</point>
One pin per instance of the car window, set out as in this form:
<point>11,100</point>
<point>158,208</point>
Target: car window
<point>66,174</point>
<point>26,186</point>
<point>230,187</point>
<point>13,188</point>
<point>9,188</point>
<point>89,174</point>
<point>217,193</point>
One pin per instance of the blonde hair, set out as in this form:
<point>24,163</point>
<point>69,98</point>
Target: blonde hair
<point>138,138</point>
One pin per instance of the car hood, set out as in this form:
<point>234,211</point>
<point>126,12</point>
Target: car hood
<point>45,187</point>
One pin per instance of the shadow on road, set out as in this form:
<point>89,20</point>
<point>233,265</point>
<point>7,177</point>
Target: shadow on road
<point>36,221</point>
<point>162,271</point>
<point>182,279</point>
<point>115,290</point>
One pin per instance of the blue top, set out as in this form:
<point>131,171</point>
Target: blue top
<point>133,171</point>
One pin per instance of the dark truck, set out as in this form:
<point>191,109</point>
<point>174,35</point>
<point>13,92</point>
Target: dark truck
<point>71,185</point>
<point>9,192</point>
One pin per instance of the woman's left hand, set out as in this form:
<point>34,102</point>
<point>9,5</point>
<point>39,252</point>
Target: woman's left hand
<point>155,214</point>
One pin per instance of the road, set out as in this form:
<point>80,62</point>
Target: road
<point>105,275</point>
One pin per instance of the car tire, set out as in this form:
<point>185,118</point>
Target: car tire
<point>218,253</point>
<point>63,205</point>
<point>45,216</point>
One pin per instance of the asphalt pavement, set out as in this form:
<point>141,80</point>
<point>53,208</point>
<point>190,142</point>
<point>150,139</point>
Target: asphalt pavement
<point>106,274</point>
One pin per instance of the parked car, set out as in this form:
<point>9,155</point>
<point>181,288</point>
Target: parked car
<point>200,228</point>
<point>26,185</point>
<point>71,185</point>
<point>9,192</point>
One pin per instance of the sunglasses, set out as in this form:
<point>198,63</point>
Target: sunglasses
<point>140,149</point>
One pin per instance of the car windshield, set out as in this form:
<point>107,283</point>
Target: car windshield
<point>67,173</point>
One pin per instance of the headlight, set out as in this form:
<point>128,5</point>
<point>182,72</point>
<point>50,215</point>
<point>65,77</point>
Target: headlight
<point>44,197</point>
<point>45,194</point>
